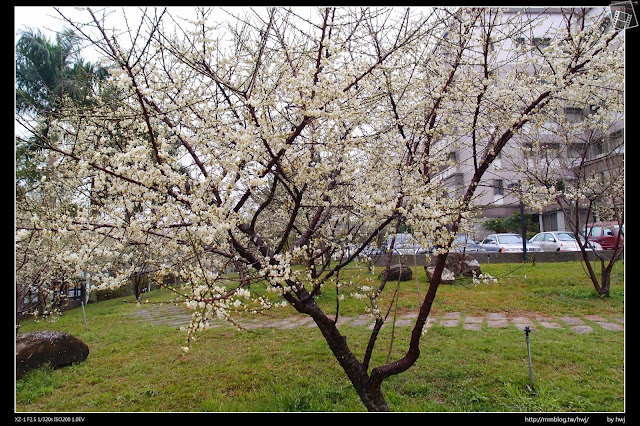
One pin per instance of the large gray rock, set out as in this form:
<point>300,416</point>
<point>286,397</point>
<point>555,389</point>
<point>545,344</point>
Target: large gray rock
<point>459,265</point>
<point>470,268</point>
<point>398,273</point>
<point>54,347</point>
<point>447,276</point>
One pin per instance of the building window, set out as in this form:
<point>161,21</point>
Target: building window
<point>453,185</point>
<point>498,187</point>
<point>549,221</point>
<point>597,148</point>
<point>617,140</point>
<point>575,149</point>
<point>574,115</point>
<point>541,42</point>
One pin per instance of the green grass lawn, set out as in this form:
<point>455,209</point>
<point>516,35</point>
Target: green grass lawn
<point>134,365</point>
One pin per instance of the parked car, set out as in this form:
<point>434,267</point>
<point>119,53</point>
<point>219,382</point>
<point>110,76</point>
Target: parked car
<point>465,243</point>
<point>560,241</point>
<point>555,241</point>
<point>373,251</point>
<point>591,245</point>
<point>605,234</point>
<point>404,244</point>
<point>505,243</point>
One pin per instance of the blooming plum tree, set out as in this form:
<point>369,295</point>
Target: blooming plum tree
<point>583,175</point>
<point>277,137</point>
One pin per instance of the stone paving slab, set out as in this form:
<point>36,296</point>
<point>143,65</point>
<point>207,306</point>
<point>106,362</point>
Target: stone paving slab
<point>362,321</point>
<point>471,326</point>
<point>343,320</point>
<point>498,323</point>
<point>582,329</point>
<point>472,323</point>
<point>523,327</point>
<point>611,326</point>
<point>572,320</point>
<point>404,322</point>
<point>473,320</point>
<point>549,324</point>
<point>596,318</point>
<point>180,317</point>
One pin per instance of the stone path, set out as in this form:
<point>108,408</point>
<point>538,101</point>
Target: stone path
<point>176,316</point>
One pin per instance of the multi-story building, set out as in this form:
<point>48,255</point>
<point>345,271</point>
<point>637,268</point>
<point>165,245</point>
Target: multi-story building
<point>497,192</point>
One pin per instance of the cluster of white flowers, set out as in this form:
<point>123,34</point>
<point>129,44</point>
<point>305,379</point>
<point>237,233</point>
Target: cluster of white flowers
<point>484,279</point>
<point>277,270</point>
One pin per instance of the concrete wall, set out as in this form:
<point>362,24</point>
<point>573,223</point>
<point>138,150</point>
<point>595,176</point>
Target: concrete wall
<point>494,257</point>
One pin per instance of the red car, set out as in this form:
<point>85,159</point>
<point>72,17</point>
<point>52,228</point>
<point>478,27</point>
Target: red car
<point>605,234</point>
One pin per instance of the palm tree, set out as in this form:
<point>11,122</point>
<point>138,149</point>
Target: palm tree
<point>48,72</point>
<point>49,76</point>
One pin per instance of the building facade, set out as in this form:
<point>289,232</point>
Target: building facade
<point>546,144</point>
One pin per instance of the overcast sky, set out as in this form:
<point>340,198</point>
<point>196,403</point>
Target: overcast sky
<point>49,21</point>
<point>44,18</point>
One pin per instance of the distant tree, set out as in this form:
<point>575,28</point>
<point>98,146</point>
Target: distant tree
<point>48,72</point>
<point>50,76</point>
<point>512,224</point>
<point>585,176</point>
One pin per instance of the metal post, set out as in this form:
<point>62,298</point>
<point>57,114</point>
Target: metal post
<point>523,229</point>
<point>84,316</point>
<point>527,330</point>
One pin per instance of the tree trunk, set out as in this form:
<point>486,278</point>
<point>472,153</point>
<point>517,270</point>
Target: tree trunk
<point>370,392</point>
<point>21,294</point>
<point>369,388</point>
<point>605,281</point>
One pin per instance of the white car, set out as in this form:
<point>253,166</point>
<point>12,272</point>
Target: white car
<point>560,241</point>
<point>505,243</point>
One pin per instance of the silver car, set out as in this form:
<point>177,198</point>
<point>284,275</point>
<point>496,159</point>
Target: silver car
<point>464,243</point>
<point>559,241</point>
<point>505,243</point>
<point>404,244</point>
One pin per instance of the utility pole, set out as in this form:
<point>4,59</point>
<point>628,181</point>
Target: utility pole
<point>523,224</point>
<point>523,230</point>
